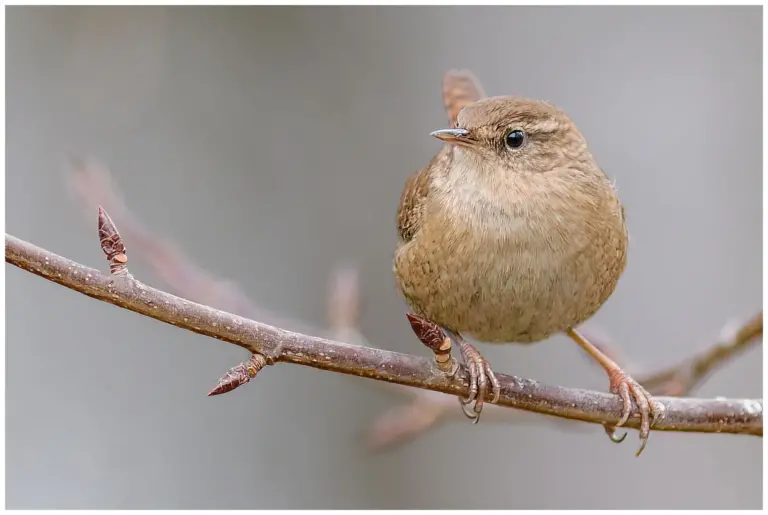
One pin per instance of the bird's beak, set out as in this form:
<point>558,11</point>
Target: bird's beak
<point>454,136</point>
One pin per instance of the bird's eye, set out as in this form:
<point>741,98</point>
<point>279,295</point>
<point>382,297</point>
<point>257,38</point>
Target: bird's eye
<point>515,139</point>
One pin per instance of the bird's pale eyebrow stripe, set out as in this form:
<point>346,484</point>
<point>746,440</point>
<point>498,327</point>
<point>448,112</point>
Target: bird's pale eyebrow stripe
<point>546,125</point>
<point>540,126</point>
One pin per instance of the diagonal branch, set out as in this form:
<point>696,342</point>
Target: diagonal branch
<point>736,416</point>
<point>94,186</point>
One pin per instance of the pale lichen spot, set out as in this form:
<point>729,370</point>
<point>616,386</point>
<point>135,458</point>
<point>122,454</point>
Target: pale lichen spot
<point>753,407</point>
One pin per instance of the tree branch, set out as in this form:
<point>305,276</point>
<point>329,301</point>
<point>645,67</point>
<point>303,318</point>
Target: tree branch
<point>736,416</point>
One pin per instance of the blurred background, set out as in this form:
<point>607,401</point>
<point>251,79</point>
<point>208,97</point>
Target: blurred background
<point>271,145</point>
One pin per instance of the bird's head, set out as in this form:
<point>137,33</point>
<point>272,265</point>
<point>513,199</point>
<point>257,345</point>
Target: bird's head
<point>511,135</point>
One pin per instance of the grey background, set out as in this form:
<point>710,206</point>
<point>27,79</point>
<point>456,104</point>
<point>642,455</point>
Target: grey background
<point>273,143</point>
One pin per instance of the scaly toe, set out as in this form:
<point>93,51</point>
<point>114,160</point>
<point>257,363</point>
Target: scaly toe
<point>495,385</point>
<point>473,379</point>
<point>471,414</point>
<point>482,390</point>
<point>627,401</point>
<point>645,406</point>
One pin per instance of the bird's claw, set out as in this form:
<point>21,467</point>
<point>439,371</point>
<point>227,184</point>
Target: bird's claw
<point>611,432</point>
<point>481,377</point>
<point>469,412</point>
<point>627,388</point>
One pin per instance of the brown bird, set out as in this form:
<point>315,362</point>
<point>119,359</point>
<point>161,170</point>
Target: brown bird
<point>512,233</point>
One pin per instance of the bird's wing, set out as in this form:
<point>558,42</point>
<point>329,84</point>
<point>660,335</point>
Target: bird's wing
<point>415,195</point>
<point>460,88</point>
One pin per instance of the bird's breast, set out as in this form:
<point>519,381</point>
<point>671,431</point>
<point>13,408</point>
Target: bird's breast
<point>511,273</point>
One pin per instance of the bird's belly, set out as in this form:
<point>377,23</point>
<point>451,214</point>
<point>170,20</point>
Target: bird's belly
<point>500,292</point>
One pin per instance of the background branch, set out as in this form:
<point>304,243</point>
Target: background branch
<point>93,186</point>
<point>742,416</point>
<point>685,377</point>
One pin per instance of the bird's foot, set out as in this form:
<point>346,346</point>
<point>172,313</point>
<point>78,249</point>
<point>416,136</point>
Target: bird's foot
<point>480,378</point>
<point>627,388</point>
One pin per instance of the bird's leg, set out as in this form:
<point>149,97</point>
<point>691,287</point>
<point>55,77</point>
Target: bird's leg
<point>627,388</point>
<point>438,339</point>
<point>480,375</point>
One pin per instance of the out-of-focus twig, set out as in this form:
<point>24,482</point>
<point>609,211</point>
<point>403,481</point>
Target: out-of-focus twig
<point>93,185</point>
<point>684,378</point>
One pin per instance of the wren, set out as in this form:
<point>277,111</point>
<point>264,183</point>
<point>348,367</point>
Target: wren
<point>512,233</point>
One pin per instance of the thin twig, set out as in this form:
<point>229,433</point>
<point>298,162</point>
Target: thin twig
<point>736,416</point>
